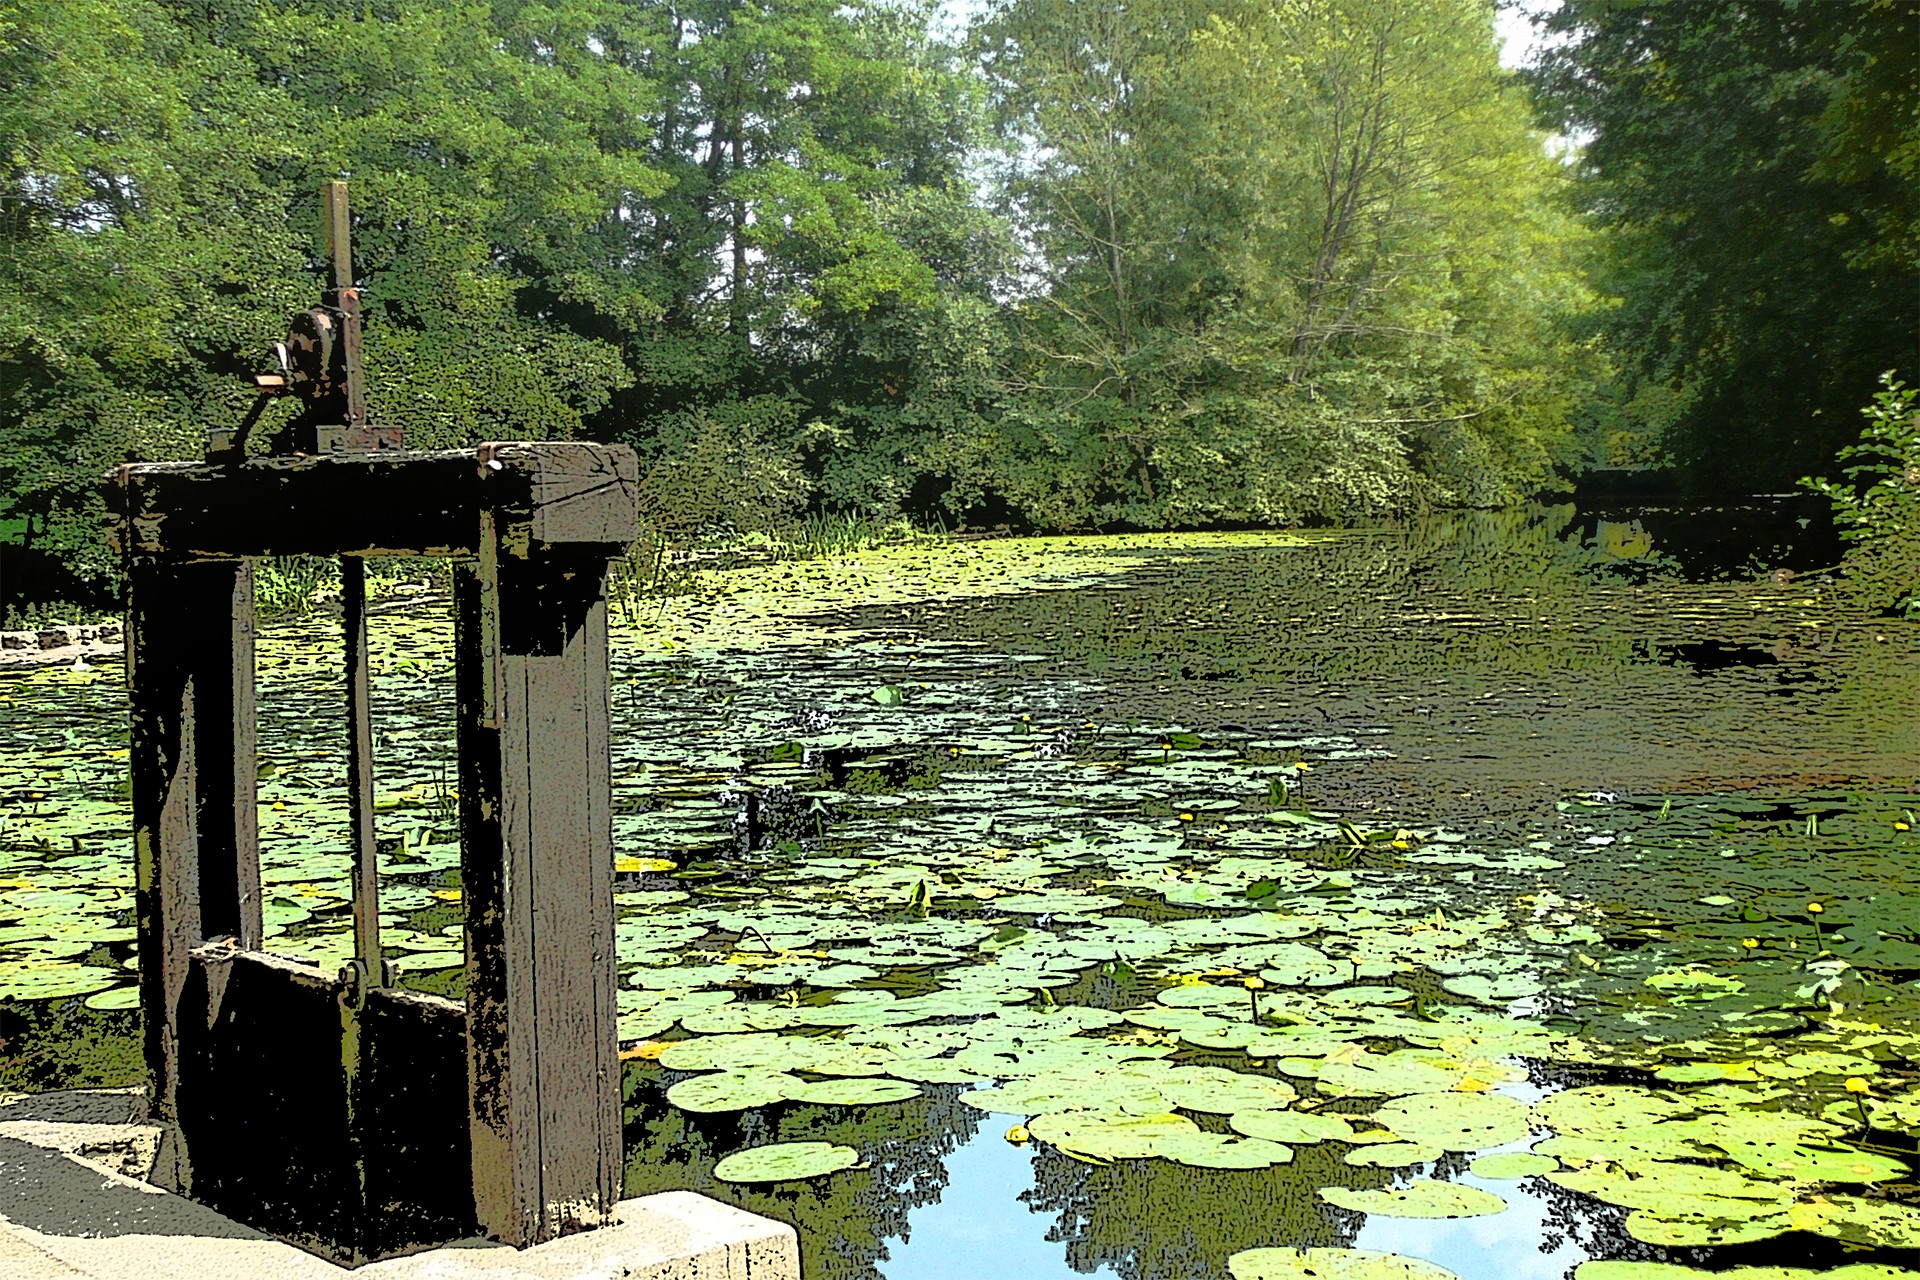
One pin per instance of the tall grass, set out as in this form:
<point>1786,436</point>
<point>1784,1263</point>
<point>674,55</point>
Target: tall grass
<point>288,586</point>
<point>660,565</point>
<point>840,533</point>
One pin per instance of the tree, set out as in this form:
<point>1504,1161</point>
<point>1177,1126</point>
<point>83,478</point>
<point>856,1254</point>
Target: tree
<point>820,268</point>
<point>1755,168</point>
<point>1273,267</point>
<point>161,221</point>
<point>139,248</point>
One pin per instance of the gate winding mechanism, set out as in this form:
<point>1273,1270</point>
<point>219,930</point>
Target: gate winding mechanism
<point>334,1109</point>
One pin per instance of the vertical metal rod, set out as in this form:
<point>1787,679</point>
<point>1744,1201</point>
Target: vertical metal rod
<point>366,870</point>
<point>334,230</point>
<point>337,233</point>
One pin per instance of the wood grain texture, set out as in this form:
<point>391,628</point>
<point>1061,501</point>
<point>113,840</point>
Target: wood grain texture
<point>382,502</point>
<point>537,873</point>
<point>365,868</point>
<point>191,755</point>
<point>318,1107</point>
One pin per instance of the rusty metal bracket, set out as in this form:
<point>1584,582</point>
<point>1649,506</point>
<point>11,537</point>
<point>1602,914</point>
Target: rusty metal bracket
<point>319,362</point>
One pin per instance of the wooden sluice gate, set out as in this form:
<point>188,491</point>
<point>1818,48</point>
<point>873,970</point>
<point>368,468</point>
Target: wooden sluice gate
<point>331,1107</point>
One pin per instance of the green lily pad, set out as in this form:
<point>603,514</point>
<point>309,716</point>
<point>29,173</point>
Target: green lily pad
<point>1680,1190</point>
<point>1456,1121</point>
<point>1606,1108</point>
<point>1216,1089</point>
<point>116,998</point>
<point>1331,1264</point>
<point>1423,1198</point>
<point>1884,1224</point>
<point>855,1091</point>
<point>1220,1151</point>
<point>1400,1072</point>
<point>1512,1164</point>
<point>30,981</point>
<point>1100,1136</point>
<point>1678,1231</point>
<point>1492,989</point>
<point>734,1090</point>
<point>1393,1155</point>
<point>1296,1128</point>
<point>785,1162</point>
<point>1813,1164</point>
<point>1675,1271</point>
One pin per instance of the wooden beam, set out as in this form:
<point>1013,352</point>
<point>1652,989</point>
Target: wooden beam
<point>386,502</point>
<point>196,860</point>
<point>536,873</point>
<point>365,868</point>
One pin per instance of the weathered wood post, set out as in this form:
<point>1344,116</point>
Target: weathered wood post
<point>334,1109</point>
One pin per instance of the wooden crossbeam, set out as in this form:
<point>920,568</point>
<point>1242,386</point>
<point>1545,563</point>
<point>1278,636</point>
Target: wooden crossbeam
<point>387,502</point>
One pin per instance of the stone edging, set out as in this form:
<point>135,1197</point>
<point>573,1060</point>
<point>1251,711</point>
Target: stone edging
<point>61,637</point>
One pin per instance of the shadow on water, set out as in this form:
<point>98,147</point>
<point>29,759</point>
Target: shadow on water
<point>1524,783</point>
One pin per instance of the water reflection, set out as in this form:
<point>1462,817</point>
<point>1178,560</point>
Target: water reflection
<point>1522,683</point>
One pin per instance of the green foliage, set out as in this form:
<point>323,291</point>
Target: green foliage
<point>160,220</point>
<point>1756,170</point>
<point>286,585</point>
<point>1291,263</point>
<point>1227,262</point>
<point>62,1044</point>
<point>1879,512</point>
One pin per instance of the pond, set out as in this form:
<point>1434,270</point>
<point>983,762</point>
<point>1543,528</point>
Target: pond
<point>1512,892</point>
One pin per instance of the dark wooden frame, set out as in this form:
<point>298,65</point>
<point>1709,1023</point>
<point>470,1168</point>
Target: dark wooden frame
<point>279,1081</point>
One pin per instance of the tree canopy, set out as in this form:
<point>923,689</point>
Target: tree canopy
<point>1153,264</point>
<point>1755,168</point>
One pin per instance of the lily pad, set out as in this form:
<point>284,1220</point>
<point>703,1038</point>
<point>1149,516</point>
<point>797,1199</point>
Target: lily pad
<point>1512,1164</point>
<point>1108,1136</point>
<point>1221,1151</point>
<point>1423,1198</point>
<point>1216,1089</point>
<point>1456,1121</point>
<point>1678,1231</point>
<point>855,1091</point>
<point>1610,1270</point>
<point>1331,1264</point>
<point>1393,1155</point>
<point>1296,1128</point>
<point>734,1090</point>
<point>1884,1224</point>
<point>785,1162</point>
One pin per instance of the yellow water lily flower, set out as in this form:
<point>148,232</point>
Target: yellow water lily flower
<point>1856,1084</point>
<point>1018,1135</point>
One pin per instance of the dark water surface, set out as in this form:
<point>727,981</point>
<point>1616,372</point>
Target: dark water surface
<point>1580,759</point>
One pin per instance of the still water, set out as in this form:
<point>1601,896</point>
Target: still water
<point>1268,882</point>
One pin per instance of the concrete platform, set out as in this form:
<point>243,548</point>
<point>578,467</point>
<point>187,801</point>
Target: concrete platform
<point>69,1209</point>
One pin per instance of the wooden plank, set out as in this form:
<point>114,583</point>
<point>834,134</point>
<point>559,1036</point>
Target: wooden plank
<point>365,871</point>
<point>166,885</point>
<point>261,1099</point>
<point>553,605</point>
<point>574,495</point>
<point>537,873</point>
<point>196,855</point>
<point>245,794</point>
<point>605,1095</point>
<point>418,1187</point>
<point>382,502</point>
<point>502,1073</point>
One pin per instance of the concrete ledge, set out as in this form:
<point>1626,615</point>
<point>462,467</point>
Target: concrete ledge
<point>63,1217</point>
<point>674,1235</point>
